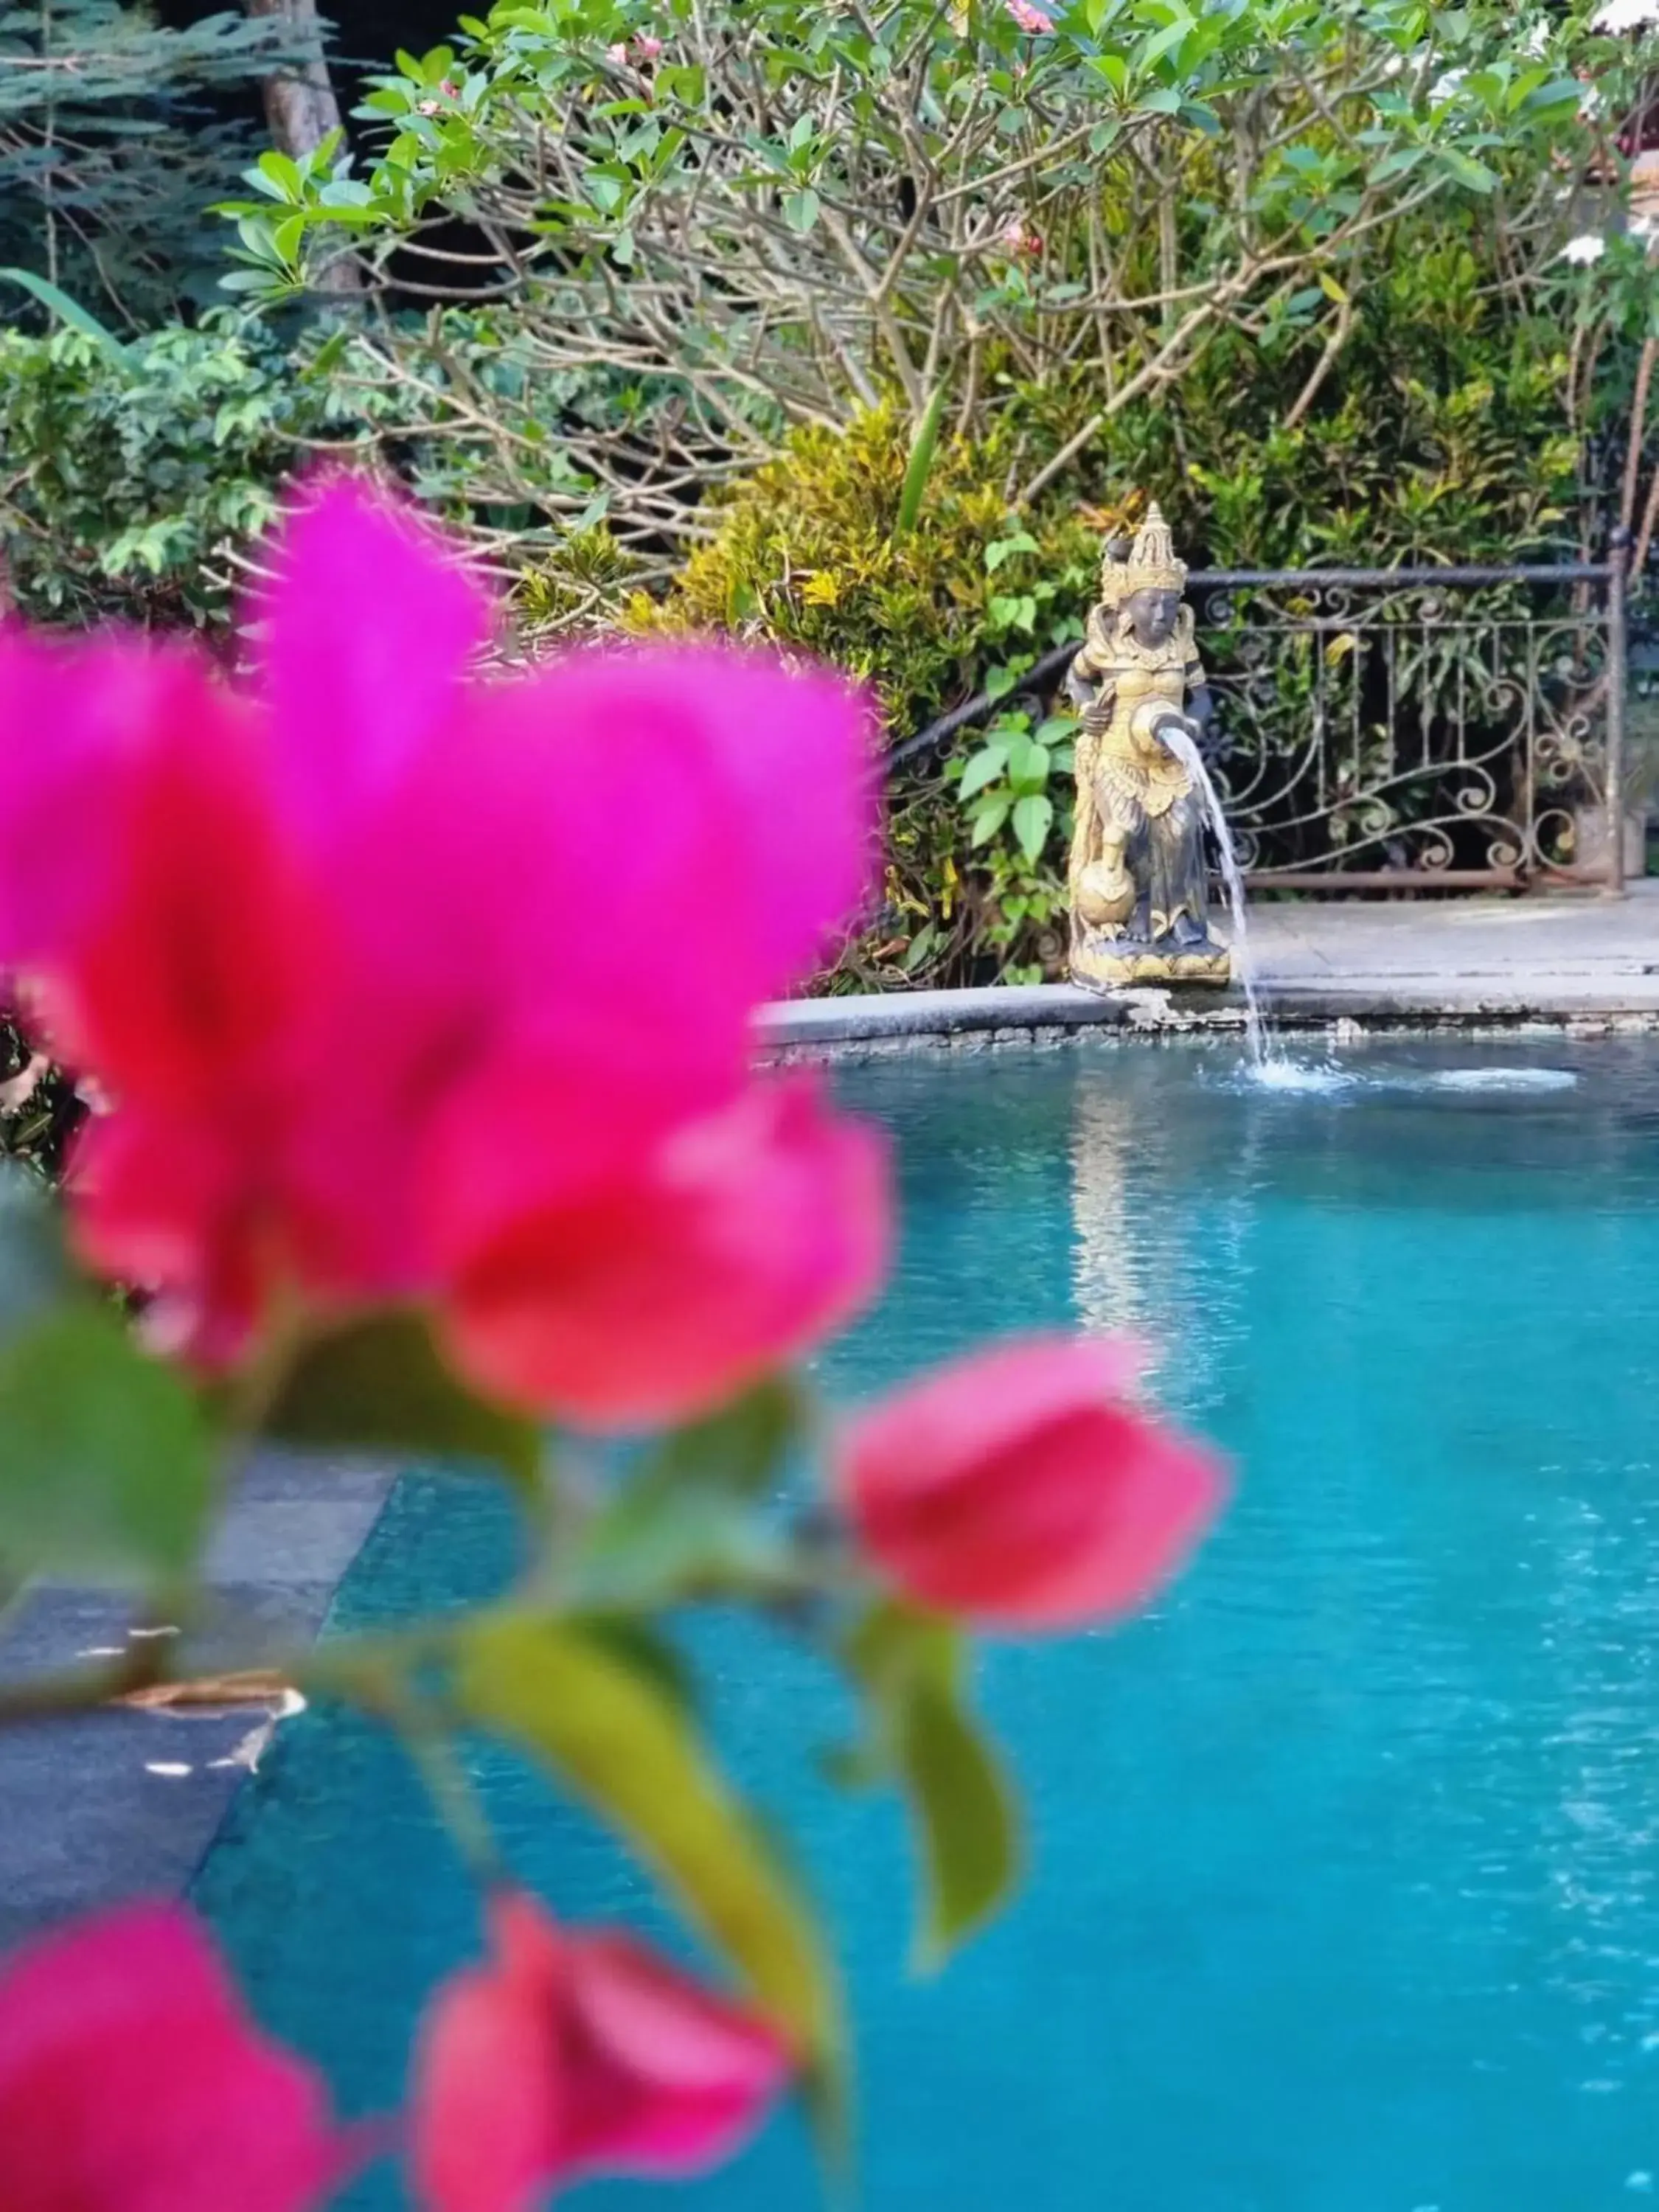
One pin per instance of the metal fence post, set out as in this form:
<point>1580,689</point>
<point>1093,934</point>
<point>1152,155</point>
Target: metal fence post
<point>1618,589</point>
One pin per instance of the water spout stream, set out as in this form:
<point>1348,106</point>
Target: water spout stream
<point>1262,1051</point>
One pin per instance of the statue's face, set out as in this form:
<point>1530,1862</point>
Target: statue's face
<point>1153,615</point>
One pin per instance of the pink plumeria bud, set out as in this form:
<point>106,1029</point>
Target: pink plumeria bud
<point>1018,238</point>
<point>617,55</point>
<point>648,47</point>
<point>426,107</point>
<point>1024,1488</point>
<point>450,89</point>
<point>1030,19</point>
<point>573,2053</point>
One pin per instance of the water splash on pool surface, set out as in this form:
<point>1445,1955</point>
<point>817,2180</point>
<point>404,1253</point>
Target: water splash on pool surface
<point>1330,1078</point>
<point>1501,1080</point>
<point>1310,1078</point>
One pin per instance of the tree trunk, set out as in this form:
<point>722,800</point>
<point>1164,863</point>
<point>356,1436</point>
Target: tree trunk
<point>300,108</point>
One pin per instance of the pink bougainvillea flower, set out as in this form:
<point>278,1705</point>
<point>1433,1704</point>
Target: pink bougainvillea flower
<point>655,1291</point>
<point>75,723</point>
<point>563,922</point>
<point>575,2054</point>
<point>290,931</point>
<point>131,2081</point>
<point>1030,19</point>
<point>1023,1488</point>
<point>364,641</point>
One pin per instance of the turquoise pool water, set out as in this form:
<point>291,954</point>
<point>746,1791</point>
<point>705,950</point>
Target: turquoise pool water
<point>1347,1895</point>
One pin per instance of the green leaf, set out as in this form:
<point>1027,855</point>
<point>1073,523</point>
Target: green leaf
<point>280,173</point>
<point>800,210</point>
<point>1003,549</point>
<point>382,1385</point>
<point>920,465</point>
<point>70,312</point>
<point>624,1747</point>
<point>988,820</point>
<point>909,1666</point>
<point>1565,93</point>
<point>920,947</point>
<point>1164,42</point>
<point>1028,766</point>
<point>683,1524</point>
<point>737,1450</point>
<point>965,1820</point>
<point>106,1464</point>
<point>1467,171</point>
<point>984,767</point>
<point>646,1652</point>
<point>1033,815</point>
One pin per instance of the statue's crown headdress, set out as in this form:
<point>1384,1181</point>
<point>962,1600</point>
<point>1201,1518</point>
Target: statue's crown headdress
<point>1153,566</point>
<point>1148,565</point>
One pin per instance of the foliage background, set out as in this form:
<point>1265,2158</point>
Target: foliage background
<point>1417,376</point>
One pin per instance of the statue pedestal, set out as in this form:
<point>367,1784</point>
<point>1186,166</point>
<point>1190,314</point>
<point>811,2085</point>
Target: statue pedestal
<point>1118,967</point>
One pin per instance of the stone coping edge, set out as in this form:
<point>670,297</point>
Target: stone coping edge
<point>1004,1011</point>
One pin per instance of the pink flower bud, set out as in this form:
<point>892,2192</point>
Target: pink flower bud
<point>1022,1489</point>
<point>130,2077</point>
<point>575,2053</point>
<point>1029,18</point>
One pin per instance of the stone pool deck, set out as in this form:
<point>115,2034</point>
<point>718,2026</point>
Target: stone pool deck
<point>124,1802</point>
<point>1580,959</point>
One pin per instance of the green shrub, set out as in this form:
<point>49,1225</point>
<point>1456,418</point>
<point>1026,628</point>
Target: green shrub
<point>40,1110</point>
<point>1440,433</point>
<point>131,483</point>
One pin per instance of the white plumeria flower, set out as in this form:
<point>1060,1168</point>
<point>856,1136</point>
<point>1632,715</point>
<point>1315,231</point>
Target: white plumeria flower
<point>1590,246</point>
<point>1625,15</point>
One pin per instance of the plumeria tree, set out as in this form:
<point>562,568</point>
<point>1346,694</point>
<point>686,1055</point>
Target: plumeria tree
<point>417,1012</point>
<point>700,228</point>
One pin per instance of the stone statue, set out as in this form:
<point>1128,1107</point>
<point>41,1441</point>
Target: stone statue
<point>1140,879</point>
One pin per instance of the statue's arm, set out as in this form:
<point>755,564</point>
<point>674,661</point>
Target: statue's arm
<point>1092,664</point>
<point>1090,687</point>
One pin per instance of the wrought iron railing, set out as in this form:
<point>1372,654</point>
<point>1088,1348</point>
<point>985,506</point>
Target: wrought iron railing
<point>1408,728</point>
<point>1392,728</point>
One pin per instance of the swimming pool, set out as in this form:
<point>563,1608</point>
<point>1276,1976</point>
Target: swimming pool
<point>1347,1895</point>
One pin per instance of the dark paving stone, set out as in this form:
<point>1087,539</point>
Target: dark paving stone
<point>123,1803</point>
